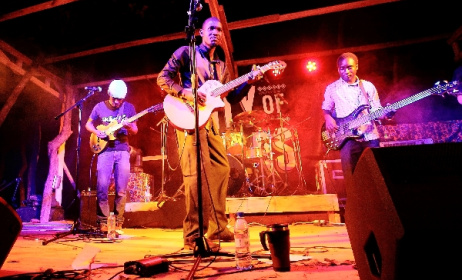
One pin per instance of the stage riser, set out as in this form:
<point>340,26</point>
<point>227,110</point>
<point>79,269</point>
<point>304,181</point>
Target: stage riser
<point>265,210</point>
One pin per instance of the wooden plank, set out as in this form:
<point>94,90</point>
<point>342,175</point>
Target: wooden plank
<point>283,204</point>
<point>272,204</point>
<point>232,26</point>
<point>36,8</point>
<point>141,206</point>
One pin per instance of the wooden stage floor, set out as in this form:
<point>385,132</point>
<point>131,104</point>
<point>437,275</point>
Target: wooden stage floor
<point>318,251</point>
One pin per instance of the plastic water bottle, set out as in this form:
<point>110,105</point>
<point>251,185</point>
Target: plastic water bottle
<point>111,226</point>
<point>241,239</point>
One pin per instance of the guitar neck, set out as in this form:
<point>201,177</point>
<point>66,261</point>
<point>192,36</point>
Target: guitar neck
<point>238,81</point>
<point>135,117</point>
<point>392,107</point>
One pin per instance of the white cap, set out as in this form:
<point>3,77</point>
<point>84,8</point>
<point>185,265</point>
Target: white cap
<point>117,89</point>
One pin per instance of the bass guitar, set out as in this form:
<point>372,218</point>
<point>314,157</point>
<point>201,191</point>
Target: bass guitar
<point>181,113</point>
<point>351,126</point>
<point>97,145</point>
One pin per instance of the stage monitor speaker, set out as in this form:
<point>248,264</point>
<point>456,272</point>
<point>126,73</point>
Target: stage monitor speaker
<point>9,230</point>
<point>403,212</point>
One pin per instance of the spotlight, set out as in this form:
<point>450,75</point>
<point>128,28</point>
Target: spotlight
<point>311,66</point>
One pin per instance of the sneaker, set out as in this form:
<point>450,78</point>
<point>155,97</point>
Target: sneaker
<point>224,236</point>
<point>119,228</point>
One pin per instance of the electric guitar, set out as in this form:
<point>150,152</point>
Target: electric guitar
<point>181,113</point>
<point>354,125</point>
<point>97,145</point>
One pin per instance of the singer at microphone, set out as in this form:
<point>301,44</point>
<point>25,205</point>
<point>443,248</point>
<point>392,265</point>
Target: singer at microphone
<point>98,89</point>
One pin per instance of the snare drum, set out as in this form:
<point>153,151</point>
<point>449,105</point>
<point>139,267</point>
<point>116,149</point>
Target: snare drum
<point>253,152</point>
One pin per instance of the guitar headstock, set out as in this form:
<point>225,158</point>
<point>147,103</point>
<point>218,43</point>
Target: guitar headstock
<point>277,65</point>
<point>445,87</point>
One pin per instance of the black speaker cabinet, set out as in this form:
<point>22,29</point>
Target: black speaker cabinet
<point>10,229</point>
<point>403,212</point>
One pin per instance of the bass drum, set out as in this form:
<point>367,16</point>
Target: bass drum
<point>236,176</point>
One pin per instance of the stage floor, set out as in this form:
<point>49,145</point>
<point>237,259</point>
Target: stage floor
<point>318,251</point>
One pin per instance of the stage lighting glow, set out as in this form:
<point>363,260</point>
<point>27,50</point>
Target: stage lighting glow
<point>277,72</point>
<point>311,66</point>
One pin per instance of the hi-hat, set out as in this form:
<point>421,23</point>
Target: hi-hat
<point>250,118</point>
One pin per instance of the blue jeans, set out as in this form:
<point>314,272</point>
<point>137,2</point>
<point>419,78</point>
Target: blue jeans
<point>117,162</point>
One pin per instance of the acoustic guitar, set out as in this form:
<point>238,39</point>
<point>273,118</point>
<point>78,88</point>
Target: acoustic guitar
<point>181,113</point>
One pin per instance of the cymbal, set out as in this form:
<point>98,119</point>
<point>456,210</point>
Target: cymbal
<point>250,118</point>
<point>273,122</point>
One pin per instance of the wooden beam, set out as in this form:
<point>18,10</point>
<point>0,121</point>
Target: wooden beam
<point>126,79</point>
<point>141,42</point>
<point>18,68</point>
<point>263,60</point>
<point>20,71</point>
<point>356,49</point>
<point>36,8</point>
<point>227,46</point>
<point>233,25</point>
<point>241,24</point>
<point>14,96</point>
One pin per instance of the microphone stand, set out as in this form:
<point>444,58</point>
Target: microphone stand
<point>202,248</point>
<point>75,227</point>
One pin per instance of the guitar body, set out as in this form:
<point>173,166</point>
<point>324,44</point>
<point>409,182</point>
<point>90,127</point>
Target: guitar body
<point>336,140</point>
<point>97,145</point>
<point>181,113</point>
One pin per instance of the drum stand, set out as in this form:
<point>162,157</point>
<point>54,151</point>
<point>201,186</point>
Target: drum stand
<point>301,178</point>
<point>261,187</point>
<point>283,140</point>
<point>162,197</point>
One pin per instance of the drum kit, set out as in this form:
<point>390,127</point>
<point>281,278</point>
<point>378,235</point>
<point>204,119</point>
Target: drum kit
<point>262,151</point>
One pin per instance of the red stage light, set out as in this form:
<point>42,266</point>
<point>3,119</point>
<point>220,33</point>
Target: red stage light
<point>311,66</point>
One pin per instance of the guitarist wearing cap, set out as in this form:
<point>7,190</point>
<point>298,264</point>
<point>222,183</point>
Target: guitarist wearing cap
<point>344,100</point>
<point>113,150</point>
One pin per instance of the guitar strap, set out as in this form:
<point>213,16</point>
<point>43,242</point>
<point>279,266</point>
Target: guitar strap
<point>361,87</point>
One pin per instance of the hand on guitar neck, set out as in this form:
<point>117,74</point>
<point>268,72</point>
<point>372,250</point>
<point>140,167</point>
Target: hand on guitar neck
<point>103,133</point>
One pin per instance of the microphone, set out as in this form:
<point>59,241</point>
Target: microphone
<point>98,89</point>
<point>198,5</point>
